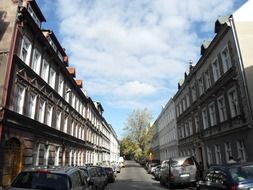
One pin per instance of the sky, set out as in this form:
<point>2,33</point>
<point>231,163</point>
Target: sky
<point>131,54</point>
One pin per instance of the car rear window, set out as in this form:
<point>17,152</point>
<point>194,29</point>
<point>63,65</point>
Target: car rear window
<point>182,162</point>
<point>242,173</point>
<point>41,180</point>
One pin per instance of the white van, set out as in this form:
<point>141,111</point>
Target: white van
<point>121,162</point>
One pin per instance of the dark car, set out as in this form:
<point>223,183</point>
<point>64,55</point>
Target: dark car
<point>67,178</point>
<point>94,180</point>
<point>102,173</point>
<point>157,172</point>
<point>229,176</point>
<point>110,174</point>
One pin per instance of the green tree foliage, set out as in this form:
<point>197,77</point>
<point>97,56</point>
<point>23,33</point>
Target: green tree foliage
<point>138,131</point>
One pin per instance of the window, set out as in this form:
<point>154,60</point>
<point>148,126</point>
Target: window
<point>190,127</point>
<point>45,70</point>
<point>73,101</point>
<point>228,150</point>
<point>216,70</point>
<point>61,85</point>
<point>186,129</point>
<point>201,86</point>
<point>65,124</point>
<point>233,102</point>
<point>241,150</point>
<point>72,128</point>
<point>187,100</point>
<point>26,48</point>
<point>226,62</point>
<point>196,121</point>
<point>212,114</point>
<point>209,155</point>
<point>58,120</point>
<point>217,154</point>
<point>52,43</point>
<point>52,78</point>
<point>207,79</point>
<point>35,65</point>
<point>222,109</point>
<point>49,115</point>
<point>19,99</point>
<point>34,16</point>
<point>31,106</point>
<point>57,156</point>
<point>205,118</point>
<point>193,92</point>
<point>46,155</point>
<point>41,111</point>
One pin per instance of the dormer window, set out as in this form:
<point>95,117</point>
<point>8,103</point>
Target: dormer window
<point>52,43</point>
<point>34,16</point>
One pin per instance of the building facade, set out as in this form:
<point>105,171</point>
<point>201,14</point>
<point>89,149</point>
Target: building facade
<point>167,132</point>
<point>213,104</point>
<point>45,116</point>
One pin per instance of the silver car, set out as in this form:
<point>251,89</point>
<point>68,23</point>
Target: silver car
<point>179,170</point>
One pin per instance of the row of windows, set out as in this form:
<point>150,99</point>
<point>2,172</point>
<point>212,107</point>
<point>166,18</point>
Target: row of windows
<point>54,155</point>
<point>39,109</point>
<point>32,57</point>
<point>206,79</point>
<point>214,152</point>
<point>213,113</point>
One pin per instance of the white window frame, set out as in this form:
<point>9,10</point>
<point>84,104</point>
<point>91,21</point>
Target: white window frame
<point>205,118</point>
<point>45,70</point>
<point>52,77</point>
<point>20,99</point>
<point>36,61</point>
<point>194,93</point>
<point>34,16</point>
<point>49,114</point>
<point>228,150</point>
<point>57,156</point>
<point>196,122</point>
<point>222,108</point>
<point>212,114</point>
<point>58,120</point>
<point>217,149</point>
<point>226,60</point>
<point>32,105</point>
<point>61,85</point>
<point>241,149</point>
<point>207,77</point>
<point>65,130</point>
<point>42,105</point>
<point>216,69</point>
<point>209,155</point>
<point>233,102</point>
<point>201,86</point>
<point>26,46</point>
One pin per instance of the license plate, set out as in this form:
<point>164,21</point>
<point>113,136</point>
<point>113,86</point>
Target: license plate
<point>184,175</point>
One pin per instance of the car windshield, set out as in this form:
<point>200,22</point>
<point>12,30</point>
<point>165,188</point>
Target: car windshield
<point>181,162</point>
<point>41,180</point>
<point>242,173</point>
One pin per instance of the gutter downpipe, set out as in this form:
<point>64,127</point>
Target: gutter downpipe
<point>7,78</point>
<point>231,20</point>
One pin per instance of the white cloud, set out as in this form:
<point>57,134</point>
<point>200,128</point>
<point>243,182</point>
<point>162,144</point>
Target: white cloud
<point>132,51</point>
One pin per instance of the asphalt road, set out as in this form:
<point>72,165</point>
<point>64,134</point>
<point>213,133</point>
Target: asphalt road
<point>134,177</point>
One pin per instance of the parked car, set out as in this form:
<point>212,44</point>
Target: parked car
<point>229,176</point>
<point>157,172</point>
<point>110,174</point>
<point>152,163</point>
<point>94,180</point>
<point>116,167</point>
<point>102,173</point>
<point>67,178</point>
<point>152,167</point>
<point>179,171</point>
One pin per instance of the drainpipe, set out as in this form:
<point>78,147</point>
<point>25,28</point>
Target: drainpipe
<point>7,78</point>
<point>231,20</point>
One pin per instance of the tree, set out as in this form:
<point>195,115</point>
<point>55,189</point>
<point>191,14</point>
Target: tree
<point>137,129</point>
<point>128,147</point>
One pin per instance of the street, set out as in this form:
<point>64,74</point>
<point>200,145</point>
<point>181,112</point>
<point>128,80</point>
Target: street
<point>134,176</point>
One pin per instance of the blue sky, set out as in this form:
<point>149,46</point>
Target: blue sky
<point>131,54</point>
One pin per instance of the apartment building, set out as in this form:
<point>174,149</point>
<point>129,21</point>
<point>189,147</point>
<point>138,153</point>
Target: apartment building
<point>167,131</point>
<point>214,102</point>
<point>46,118</point>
